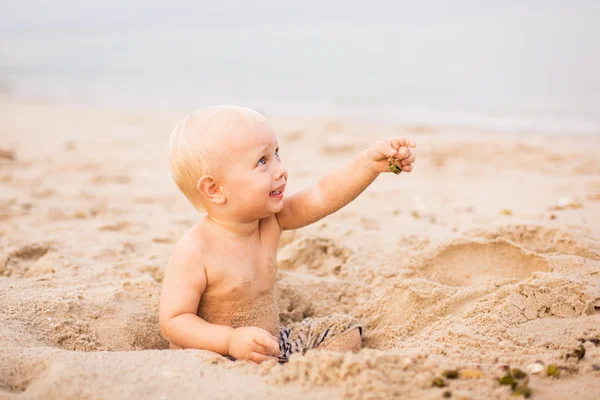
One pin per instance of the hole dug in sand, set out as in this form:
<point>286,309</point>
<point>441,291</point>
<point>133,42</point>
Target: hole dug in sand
<point>303,295</point>
<point>315,256</point>
<point>22,261</point>
<point>472,263</point>
<point>310,281</point>
<point>104,320</point>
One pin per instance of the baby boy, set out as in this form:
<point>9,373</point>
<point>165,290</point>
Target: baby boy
<point>218,291</point>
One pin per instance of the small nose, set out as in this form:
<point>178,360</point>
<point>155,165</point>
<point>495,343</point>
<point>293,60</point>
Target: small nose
<point>281,172</point>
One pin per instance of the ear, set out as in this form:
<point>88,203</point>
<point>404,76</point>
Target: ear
<point>208,187</point>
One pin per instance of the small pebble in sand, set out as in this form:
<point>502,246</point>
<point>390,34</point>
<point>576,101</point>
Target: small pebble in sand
<point>508,380</point>
<point>522,390</point>
<point>578,353</point>
<point>567,203</point>
<point>506,212</point>
<point>438,382</point>
<point>470,373</point>
<point>450,374</point>
<point>517,373</point>
<point>553,370</point>
<point>447,394</point>
<point>535,368</point>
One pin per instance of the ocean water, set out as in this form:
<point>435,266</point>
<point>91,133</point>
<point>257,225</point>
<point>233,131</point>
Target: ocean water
<point>531,65</point>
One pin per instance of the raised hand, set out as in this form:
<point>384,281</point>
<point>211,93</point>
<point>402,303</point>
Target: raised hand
<point>391,151</point>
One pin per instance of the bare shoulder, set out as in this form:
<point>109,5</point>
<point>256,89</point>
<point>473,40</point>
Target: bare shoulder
<point>185,278</point>
<point>188,256</point>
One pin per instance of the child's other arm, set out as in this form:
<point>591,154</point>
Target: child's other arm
<point>340,187</point>
<point>183,286</point>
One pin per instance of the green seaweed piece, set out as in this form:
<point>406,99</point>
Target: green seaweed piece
<point>438,382</point>
<point>522,390</point>
<point>517,373</point>
<point>393,167</point>
<point>553,370</point>
<point>508,380</point>
<point>578,353</point>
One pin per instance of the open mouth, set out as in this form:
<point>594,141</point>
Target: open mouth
<point>278,191</point>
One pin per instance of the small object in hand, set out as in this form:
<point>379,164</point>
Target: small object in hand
<point>522,391</point>
<point>438,382</point>
<point>394,167</point>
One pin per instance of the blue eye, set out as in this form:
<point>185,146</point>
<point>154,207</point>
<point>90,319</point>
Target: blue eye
<point>277,153</point>
<point>262,161</point>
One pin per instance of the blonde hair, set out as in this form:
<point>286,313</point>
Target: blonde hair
<point>194,143</point>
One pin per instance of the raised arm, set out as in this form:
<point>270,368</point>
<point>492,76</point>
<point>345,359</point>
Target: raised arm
<point>340,187</point>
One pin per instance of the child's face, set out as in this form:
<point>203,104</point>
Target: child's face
<point>254,178</point>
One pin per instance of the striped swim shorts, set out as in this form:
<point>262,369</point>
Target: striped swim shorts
<point>299,337</point>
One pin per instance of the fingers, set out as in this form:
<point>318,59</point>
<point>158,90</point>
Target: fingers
<point>259,358</point>
<point>403,153</point>
<point>265,332</point>
<point>268,344</point>
<point>408,160</point>
<point>402,142</point>
<point>384,150</point>
<point>264,340</point>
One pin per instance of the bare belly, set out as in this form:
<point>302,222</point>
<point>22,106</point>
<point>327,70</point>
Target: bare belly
<point>260,310</point>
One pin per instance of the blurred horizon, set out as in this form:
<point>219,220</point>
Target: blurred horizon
<point>488,64</point>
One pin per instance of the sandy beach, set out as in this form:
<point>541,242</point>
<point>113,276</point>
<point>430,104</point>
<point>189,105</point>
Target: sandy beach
<point>487,255</point>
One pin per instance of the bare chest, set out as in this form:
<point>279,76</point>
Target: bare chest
<point>241,275</point>
<point>240,270</point>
